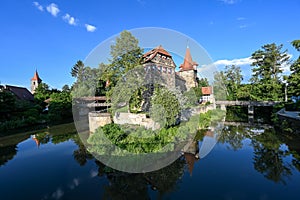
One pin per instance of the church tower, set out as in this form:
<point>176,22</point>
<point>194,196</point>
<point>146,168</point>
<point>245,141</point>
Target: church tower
<point>35,81</point>
<point>188,70</point>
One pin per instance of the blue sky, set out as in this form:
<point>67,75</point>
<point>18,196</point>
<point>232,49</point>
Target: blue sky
<point>51,36</point>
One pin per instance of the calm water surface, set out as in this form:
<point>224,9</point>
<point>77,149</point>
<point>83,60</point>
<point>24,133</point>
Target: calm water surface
<point>246,163</point>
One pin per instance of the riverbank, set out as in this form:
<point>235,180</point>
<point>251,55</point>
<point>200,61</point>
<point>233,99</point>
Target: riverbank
<point>289,121</point>
<point>34,129</point>
<point>289,114</point>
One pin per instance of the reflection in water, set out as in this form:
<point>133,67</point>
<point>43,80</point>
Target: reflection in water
<point>270,159</point>
<point>7,153</point>
<point>124,185</point>
<point>274,155</point>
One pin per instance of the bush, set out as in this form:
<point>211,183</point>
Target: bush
<point>292,106</point>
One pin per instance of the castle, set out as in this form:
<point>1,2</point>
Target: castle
<point>161,60</point>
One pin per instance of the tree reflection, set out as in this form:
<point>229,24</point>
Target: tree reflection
<point>124,185</point>
<point>81,155</point>
<point>7,153</point>
<point>269,158</point>
<point>233,136</point>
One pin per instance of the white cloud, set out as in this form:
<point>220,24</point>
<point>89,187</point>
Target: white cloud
<point>90,28</point>
<point>38,6</point>
<point>237,61</point>
<point>71,20</point>
<point>286,66</point>
<point>229,1</point>
<point>53,9</point>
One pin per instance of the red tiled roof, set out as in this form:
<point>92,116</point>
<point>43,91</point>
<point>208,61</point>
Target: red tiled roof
<point>206,90</point>
<point>156,50</point>
<point>188,63</point>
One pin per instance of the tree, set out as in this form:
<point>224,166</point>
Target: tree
<point>294,78</point>
<point>87,80</point>
<point>296,44</point>
<point>203,82</point>
<point>60,107</point>
<point>77,70</point>
<point>126,55</point>
<point>66,88</point>
<point>165,106</point>
<point>7,105</point>
<point>220,89</point>
<point>267,71</point>
<point>42,92</point>
<point>233,75</point>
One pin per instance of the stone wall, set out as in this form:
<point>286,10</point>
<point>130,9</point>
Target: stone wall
<point>97,120</point>
<point>138,119</point>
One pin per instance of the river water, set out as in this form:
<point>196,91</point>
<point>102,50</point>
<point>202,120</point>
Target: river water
<point>247,162</point>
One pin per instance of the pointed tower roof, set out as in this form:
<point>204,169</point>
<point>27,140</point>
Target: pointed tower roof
<point>188,63</point>
<point>36,76</point>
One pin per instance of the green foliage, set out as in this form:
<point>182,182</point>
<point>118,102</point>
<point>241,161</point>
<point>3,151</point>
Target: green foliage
<point>210,118</point>
<point>244,92</point>
<point>137,139</point>
<point>7,105</point>
<point>205,120</point>
<point>233,81</point>
<point>203,82</point>
<point>294,78</point>
<point>164,103</point>
<point>237,113</point>
<point>77,71</point>
<point>88,82</point>
<point>126,55</point>
<point>292,106</point>
<point>60,106</point>
<point>42,92</point>
<point>135,103</point>
<point>17,113</point>
<point>66,88</point>
<point>266,72</point>
<point>220,89</point>
<point>296,44</point>
<point>133,139</point>
<point>193,96</point>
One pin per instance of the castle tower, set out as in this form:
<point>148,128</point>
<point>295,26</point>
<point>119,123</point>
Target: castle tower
<point>35,81</point>
<point>188,70</point>
<point>161,61</point>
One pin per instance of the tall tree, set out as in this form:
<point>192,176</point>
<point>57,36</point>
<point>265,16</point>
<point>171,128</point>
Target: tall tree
<point>42,92</point>
<point>265,80</point>
<point>126,54</point>
<point>7,105</point>
<point>77,70</point>
<point>233,75</point>
<point>220,89</point>
<point>294,78</point>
